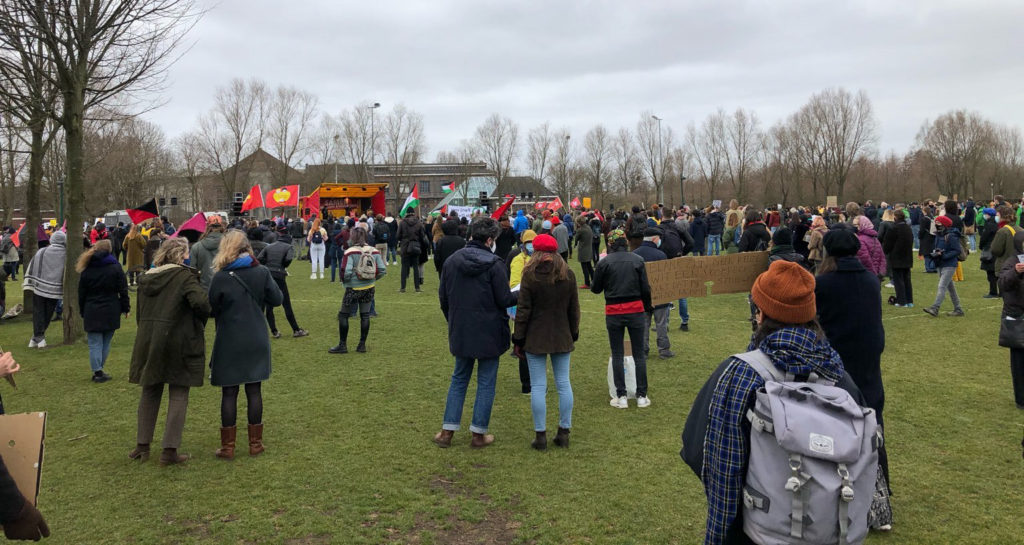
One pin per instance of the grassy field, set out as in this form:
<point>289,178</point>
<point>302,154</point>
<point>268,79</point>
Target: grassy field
<point>350,460</point>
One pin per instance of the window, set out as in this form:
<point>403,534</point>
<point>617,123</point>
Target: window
<point>425,187</point>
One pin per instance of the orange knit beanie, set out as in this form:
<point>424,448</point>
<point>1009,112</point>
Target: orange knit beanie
<point>785,292</point>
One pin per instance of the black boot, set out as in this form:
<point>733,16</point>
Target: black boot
<point>562,438</point>
<point>364,331</point>
<point>541,442</point>
<point>342,347</point>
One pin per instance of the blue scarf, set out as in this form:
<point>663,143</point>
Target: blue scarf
<point>243,261</point>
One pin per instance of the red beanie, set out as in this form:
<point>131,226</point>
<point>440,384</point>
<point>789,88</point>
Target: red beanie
<point>545,243</point>
<point>944,221</point>
<point>785,292</point>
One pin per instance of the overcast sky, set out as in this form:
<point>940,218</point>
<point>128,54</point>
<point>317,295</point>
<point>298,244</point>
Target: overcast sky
<point>578,63</point>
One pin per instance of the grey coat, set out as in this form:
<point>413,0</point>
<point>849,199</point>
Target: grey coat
<point>202,254</point>
<point>241,349</point>
<point>585,244</point>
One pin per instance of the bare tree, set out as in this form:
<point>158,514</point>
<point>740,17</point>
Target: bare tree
<point>538,144</point>
<point>627,161</point>
<point>598,150</point>
<point>1005,159</point>
<point>708,148</point>
<point>324,148</point>
<point>233,129</point>
<point>13,162</point>
<point>497,141</point>
<point>742,146</point>
<point>404,145</point>
<point>956,144</point>
<point>189,158</point>
<point>561,165</point>
<point>358,136</point>
<point>781,162</point>
<point>654,141</point>
<point>290,119</point>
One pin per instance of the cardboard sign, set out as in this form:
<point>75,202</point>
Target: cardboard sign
<point>943,199</point>
<point>586,202</point>
<point>717,203</point>
<point>689,276</point>
<point>21,445</point>
<point>832,201</point>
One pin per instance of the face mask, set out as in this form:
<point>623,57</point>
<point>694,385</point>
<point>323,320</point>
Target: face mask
<point>494,247</point>
<point>529,248</point>
<point>659,243</point>
<point>187,262</point>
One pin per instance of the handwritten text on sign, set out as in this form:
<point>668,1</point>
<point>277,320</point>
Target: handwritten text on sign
<point>687,276</point>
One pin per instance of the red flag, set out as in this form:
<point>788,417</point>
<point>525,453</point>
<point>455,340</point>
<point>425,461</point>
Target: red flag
<point>16,237</point>
<point>253,200</point>
<point>540,205</point>
<point>576,203</point>
<point>195,223</point>
<point>599,216</point>
<point>282,196</point>
<point>503,208</point>
<point>312,204</point>
<point>555,205</point>
<point>144,212</point>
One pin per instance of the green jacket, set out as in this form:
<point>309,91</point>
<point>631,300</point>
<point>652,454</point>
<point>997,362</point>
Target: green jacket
<point>1002,246</point>
<point>170,346</point>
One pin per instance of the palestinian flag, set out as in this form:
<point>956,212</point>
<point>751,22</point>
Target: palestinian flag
<point>448,188</point>
<point>142,213</point>
<point>412,201</point>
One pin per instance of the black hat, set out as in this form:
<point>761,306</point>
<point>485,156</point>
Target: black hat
<point>841,242</point>
<point>653,232</point>
<point>782,236</point>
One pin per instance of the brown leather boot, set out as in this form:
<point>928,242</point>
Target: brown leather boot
<point>481,440</point>
<point>541,441</point>
<point>227,443</point>
<point>562,439</point>
<point>443,438</point>
<point>171,457</point>
<point>140,453</point>
<point>255,439</point>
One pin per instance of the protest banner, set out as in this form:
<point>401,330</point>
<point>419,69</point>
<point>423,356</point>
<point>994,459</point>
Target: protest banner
<point>832,201</point>
<point>942,199</point>
<point>461,211</point>
<point>21,444</point>
<point>673,279</point>
<point>717,203</point>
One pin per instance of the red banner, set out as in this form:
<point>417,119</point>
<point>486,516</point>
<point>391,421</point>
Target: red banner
<point>283,196</point>
<point>253,200</point>
<point>312,205</point>
<point>576,203</point>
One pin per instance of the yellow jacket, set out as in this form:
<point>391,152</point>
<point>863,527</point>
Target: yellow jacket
<point>515,275</point>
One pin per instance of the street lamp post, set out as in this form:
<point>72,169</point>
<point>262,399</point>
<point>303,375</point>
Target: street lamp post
<point>373,133</point>
<point>337,137</point>
<point>661,160</point>
<point>682,190</point>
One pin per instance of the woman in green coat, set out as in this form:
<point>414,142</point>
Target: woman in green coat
<point>169,346</point>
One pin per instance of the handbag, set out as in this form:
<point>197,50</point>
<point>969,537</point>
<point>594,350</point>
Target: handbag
<point>1011,331</point>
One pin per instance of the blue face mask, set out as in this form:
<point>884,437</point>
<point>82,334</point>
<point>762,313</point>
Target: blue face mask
<point>659,243</point>
<point>187,262</point>
<point>529,248</point>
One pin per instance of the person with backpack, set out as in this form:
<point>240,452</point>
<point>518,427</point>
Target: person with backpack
<point>413,242</point>
<point>317,239</point>
<point>102,300</point>
<point>728,440</point>
<point>947,250</point>
<point>849,306</point>
<point>636,224</point>
<point>240,291</point>
<point>755,237</point>
<point>276,257</point>
<point>380,233</point>
<point>362,266</point>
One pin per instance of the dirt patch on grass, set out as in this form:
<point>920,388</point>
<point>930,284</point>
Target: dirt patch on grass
<point>497,527</point>
<point>309,540</point>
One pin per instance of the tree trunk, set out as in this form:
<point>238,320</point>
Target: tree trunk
<point>35,176</point>
<point>74,212</point>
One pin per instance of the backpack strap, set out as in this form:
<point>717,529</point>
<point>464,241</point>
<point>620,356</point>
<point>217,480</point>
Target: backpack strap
<point>759,361</point>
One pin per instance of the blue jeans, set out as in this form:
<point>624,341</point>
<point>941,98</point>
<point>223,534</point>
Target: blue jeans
<point>486,377</point>
<point>974,242</point>
<point>946,284</point>
<point>392,254</point>
<point>917,241</point>
<point>99,348</point>
<point>714,244</point>
<point>929,264</point>
<point>539,387</point>
<point>684,311</point>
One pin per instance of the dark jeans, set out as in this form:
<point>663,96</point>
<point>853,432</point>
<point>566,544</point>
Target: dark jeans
<point>524,375</point>
<point>597,250</point>
<point>287,304</point>
<point>12,269</point>
<point>617,325</point>
<point>1017,375</point>
<point>411,262</point>
<point>42,313</point>
<point>588,272</point>
<point>904,289</point>
<point>993,283</point>
<point>335,263</point>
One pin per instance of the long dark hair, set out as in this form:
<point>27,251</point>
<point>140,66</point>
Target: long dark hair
<point>560,272</point>
<point>771,325</point>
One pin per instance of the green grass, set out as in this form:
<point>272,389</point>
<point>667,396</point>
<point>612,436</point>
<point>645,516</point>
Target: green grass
<point>349,457</point>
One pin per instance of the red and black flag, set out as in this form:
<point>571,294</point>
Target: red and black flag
<point>144,212</point>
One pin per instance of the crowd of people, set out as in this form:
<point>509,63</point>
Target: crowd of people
<point>510,282</point>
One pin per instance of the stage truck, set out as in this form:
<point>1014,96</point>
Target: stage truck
<point>340,200</point>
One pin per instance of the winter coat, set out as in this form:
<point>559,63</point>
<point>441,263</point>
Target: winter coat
<point>622,276</point>
<point>699,232</point>
<point>103,294</point>
<point>44,274</point>
<point>883,230</point>
<point>241,349</point>
<point>505,241</point>
<point>948,243</point>
<point>816,246</point>
<point>520,224</point>
<point>870,253</point>
<point>514,265</point>
<point>474,296</point>
<point>117,235</point>
<point>135,247</point>
<point>1011,288</point>
<point>800,230</point>
<point>1002,246</point>
<point>202,254</point>
<point>926,240</point>
<point>411,230</point>
<point>988,234</point>
<point>716,223</point>
<point>548,315</point>
<point>448,245</point>
<point>675,242</point>
<point>753,234</point>
<point>170,347</point>
<point>785,252</point>
<point>277,256</point>
<point>585,244</point>
<point>349,262</point>
<point>899,246</point>
<point>650,252</point>
<point>8,249</point>
<point>561,234</point>
<point>850,312</point>
<point>149,252</point>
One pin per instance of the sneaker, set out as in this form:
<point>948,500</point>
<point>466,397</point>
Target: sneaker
<point>41,344</point>
<point>275,334</point>
<point>300,333</point>
<point>989,296</point>
<point>684,327</point>
<point>956,313</point>
<point>910,305</point>
<point>897,305</point>
<point>584,287</point>
<point>402,290</point>
<point>339,349</point>
<point>619,402</point>
<point>321,276</point>
<point>931,311</point>
<point>889,285</point>
<point>100,377</point>
<point>885,528</point>
<point>32,343</point>
<point>312,276</point>
<point>643,401</point>
<point>419,290</point>
<point>666,354</point>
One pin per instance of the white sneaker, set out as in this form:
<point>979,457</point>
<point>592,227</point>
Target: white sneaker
<point>643,401</point>
<point>321,276</point>
<point>41,344</point>
<point>312,276</point>
<point>32,343</point>
<point>889,285</point>
<point>619,403</point>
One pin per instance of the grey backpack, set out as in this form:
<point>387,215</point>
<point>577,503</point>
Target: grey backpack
<point>813,461</point>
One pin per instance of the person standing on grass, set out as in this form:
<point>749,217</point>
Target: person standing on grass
<point>474,296</point>
<point>9,252</point>
<point>205,251</point>
<point>849,308</point>
<point>102,299</point>
<point>870,253</point>
<point>515,265</point>
<point>134,251</point>
<point>362,266</point>
<point>449,243</point>
<point>622,278</point>
<point>947,249</point>
<point>1011,286</point>
<point>317,240</point>
<point>413,242</point>
<point>547,324</point>
<point>44,277</point>
<point>240,291</point>
<point>170,347</point>
<point>1002,243</point>
<point>715,438</point>
<point>987,229</point>
<point>277,256</point>
<point>584,240</point>
<point>815,246</point>
<point>899,254</point>
<point>649,251</point>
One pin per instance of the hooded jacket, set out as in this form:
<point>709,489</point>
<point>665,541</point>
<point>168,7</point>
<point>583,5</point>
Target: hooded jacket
<point>103,294</point>
<point>170,346</point>
<point>948,243</point>
<point>753,234</point>
<point>520,224</point>
<point>474,296</point>
<point>202,254</point>
<point>410,230</point>
<point>45,273</point>
<point>870,253</point>
<point>548,314</point>
<point>450,243</point>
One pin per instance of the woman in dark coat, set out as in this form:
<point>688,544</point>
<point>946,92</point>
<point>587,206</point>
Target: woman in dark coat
<point>240,291</point>
<point>1011,287</point>
<point>850,312</point>
<point>899,254</point>
<point>926,240</point>
<point>584,240</point>
<point>548,324</point>
<point>102,299</point>
<point>449,243</point>
<point>988,264</point>
<point>170,300</point>
<point>754,233</point>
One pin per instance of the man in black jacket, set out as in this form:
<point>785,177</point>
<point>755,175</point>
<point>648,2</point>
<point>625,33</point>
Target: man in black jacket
<point>450,243</point>
<point>649,250</point>
<point>627,294</point>
<point>277,256</point>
